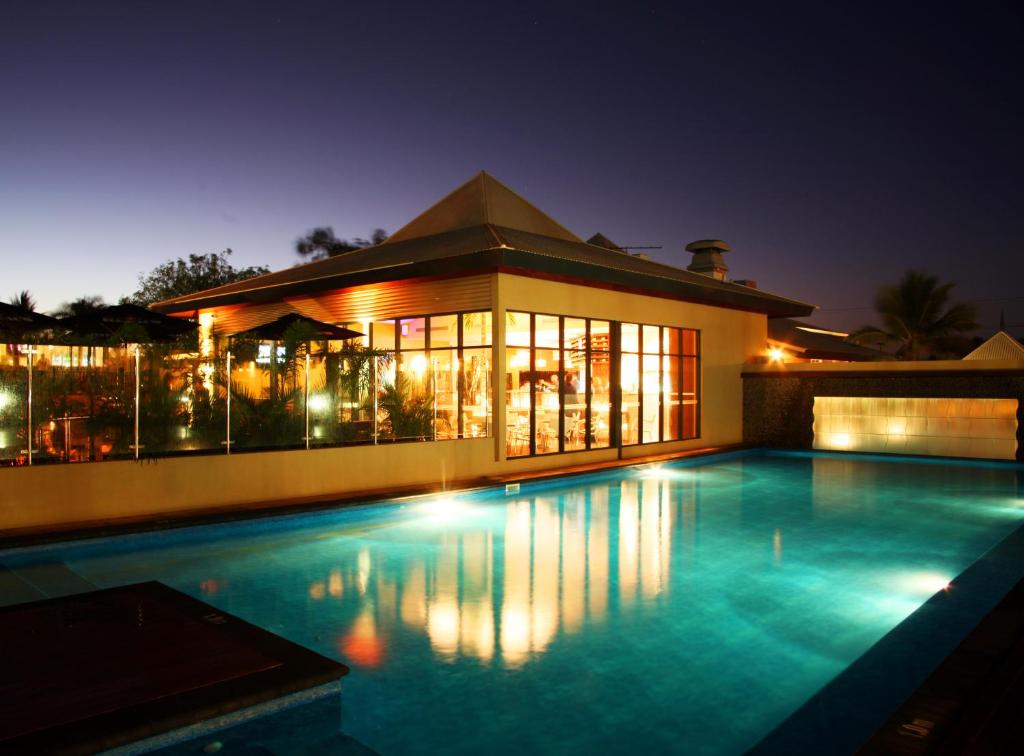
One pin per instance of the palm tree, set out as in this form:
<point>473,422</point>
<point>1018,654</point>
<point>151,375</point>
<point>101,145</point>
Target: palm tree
<point>23,300</point>
<point>916,316</point>
<point>80,306</point>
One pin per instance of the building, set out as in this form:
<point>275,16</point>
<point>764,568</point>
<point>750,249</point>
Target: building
<point>528,341</point>
<point>794,341</point>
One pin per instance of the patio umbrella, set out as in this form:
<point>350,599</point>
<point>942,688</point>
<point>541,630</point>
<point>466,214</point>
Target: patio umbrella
<point>308,328</point>
<point>129,323</point>
<point>303,329</point>
<point>17,324</point>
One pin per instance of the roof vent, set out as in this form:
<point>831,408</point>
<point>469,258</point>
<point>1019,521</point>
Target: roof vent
<point>707,258</point>
<point>750,283</point>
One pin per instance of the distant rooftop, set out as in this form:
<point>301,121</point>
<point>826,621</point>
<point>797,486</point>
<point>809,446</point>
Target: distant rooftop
<point>1001,346</point>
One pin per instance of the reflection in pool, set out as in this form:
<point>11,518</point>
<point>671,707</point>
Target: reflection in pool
<point>683,607</point>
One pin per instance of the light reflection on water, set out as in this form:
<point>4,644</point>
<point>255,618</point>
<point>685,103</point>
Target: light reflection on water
<point>615,613</point>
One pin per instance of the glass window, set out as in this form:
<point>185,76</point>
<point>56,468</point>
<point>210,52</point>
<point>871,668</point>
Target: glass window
<point>546,331</point>
<point>690,407</point>
<point>517,401</point>
<point>445,366</point>
<point>599,335</point>
<point>600,383</point>
<point>517,329</point>
<point>689,342</point>
<point>384,335</point>
<point>476,392</point>
<point>652,339</point>
<point>444,331</point>
<point>630,337</point>
<point>670,397</point>
<point>547,389</point>
<point>413,333</point>
<point>630,377</point>
<point>651,399</point>
<point>669,340</point>
<point>476,328</point>
<point>575,336</point>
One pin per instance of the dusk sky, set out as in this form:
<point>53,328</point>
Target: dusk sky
<point>832,147</point>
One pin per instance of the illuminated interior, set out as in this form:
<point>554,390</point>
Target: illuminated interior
<point>559,375</point>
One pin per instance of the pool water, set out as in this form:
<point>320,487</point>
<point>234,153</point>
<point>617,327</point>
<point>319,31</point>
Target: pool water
<point>689,607</point>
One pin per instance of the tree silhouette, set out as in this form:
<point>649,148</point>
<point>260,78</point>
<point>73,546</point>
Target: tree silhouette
<point>917,317</point>
<point>23,300</point>
<point>176,278</point>
<point>321,243</point>
<point>80,306</point>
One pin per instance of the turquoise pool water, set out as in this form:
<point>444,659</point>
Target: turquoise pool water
<point>688,607</point>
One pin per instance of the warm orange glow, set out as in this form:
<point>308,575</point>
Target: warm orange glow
<point>362,645</point>
<point>775,354</point>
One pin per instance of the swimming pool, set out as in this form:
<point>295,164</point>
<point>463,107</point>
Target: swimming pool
<point>692,605</point>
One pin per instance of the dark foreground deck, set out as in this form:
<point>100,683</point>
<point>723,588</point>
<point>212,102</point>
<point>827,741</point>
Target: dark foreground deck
<point>96,670</point>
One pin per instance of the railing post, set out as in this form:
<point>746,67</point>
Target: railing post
<point>373,365</point>
<point>227,438</point>
<point>138,395</point>
<point>28,430</point>
<point>306,390</point>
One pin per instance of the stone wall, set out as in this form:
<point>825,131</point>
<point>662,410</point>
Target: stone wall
<point>778,404</point>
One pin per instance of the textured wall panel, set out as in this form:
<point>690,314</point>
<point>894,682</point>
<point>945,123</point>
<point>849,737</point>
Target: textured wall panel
<point>985,428</point>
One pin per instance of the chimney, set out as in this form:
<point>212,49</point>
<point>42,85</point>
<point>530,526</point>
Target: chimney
<point>707,258</point>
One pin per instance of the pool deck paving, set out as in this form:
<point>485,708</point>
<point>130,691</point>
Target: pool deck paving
<point>101,669</point>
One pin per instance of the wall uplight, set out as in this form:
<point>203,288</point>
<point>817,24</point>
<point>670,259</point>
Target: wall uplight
<point>776,354</point>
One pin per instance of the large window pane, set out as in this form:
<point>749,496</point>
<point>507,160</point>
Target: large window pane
<point>546,403</point>
<point>412,333</point>
<point>444,331</point>
<point>476,388</point>
<point>517,401</point>
<point>445,366</point>
<point>546,331</point>
<point>630,337</point>
<point>690,407</point>
<point>600,395</point>
<point>517,329</point>
<point>384,335</point>
<point>670,397</point>
<point>652,396</point>
<point>689,341</point>
<point>13,410</point>
<point>630,375</point>
<point>575,407</point>
<point>476,328</point>
<point>652,339</point>
<point>670,340</point>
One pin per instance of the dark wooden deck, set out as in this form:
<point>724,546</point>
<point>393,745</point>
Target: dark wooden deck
<point>96,670</point>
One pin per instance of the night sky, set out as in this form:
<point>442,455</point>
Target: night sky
<point>832,146</point>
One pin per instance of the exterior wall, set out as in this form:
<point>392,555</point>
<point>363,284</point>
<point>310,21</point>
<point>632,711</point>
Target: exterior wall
<point>729,338</point>
<point>54,496</point>
<point>778,402</point>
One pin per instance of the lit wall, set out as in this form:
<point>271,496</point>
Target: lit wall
<point>984,428</point>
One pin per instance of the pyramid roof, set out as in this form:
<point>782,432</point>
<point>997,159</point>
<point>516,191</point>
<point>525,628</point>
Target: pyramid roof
<point>481,201</point>
<point>483,227</point>
<point>1001,346</point>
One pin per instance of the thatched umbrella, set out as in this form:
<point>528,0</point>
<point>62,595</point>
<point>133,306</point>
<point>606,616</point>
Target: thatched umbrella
<point>299,328</point>
<point>309,329</point>
<point>17,324</point>
<point>126,324</point>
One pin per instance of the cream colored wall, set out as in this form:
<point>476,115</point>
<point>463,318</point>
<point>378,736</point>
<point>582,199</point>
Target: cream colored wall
<point>50,495</point>
<point>729,338</point>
